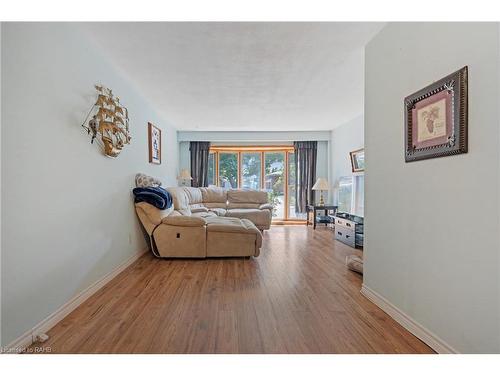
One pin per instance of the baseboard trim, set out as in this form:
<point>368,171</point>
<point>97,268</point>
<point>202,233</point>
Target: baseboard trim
<point>431,339</point>
<point>29,337</point>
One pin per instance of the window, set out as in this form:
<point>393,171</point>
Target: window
<point>345,194</point>
<point>269,168</point>
<point>359,195</point>
<point>228,170</point>
<point>351,194</point>
<point>251,170</point>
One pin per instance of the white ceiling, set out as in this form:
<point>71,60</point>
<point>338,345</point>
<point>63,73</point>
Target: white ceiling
<point>243,76</point>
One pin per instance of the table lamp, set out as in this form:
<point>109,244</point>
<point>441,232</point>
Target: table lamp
<point>321,184</point>
<point>184,176</point>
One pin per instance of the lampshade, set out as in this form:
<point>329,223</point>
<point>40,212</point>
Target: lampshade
<point>185,175</point>
<point>321,184</point>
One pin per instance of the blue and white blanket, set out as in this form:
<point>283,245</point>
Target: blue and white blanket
<point>157,196</point>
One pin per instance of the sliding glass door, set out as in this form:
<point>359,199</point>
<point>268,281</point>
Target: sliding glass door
<point>274,163</point>
<point>268,168</point>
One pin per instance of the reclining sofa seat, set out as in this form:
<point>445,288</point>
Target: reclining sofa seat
<point>174,235</point>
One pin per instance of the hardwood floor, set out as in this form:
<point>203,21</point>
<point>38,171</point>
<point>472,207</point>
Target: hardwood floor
<point>297,297</point>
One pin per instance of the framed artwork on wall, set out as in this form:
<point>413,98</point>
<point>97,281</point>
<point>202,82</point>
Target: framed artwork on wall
<point>154,142</point>
<point>436,119</point>
<point>358,160</point>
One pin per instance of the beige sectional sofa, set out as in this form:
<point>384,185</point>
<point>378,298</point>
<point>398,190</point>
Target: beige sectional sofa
<point>211,202</point>
<point>207,222</point>
<point>173,235</point>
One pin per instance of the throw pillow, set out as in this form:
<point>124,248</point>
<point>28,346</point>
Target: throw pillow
<point>143,180</point>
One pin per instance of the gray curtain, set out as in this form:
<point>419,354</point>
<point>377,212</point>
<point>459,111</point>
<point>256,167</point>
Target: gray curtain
<point>305,165</point>
<point>199,163</point>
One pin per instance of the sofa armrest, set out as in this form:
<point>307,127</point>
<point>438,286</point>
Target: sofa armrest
<point>184,221</point>
<point>153,214</point>
<point>266,206</point>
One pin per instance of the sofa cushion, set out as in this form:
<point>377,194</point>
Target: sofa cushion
<point>243,205</point>
<point>266,206</point>
<point>194,208</point>
<point>230,224</point>
<point>246,196</point>
<point>179,198</point>
<point>218,211</point>
<point>193,195</point>
<point>204,214</point>
<point>256,216</point>
<point>223,220</point>
<point>184,221</point>
<point>215,205</point>
<point>234,225</point>
<point>153,214</point>
<point>214,195</point>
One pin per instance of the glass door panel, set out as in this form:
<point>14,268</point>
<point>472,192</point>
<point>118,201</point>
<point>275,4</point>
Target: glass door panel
<point>211,169</point>
<point>274,181</point>
<point>228,170</point>
<point>251,170</point>
<point>292,176</point>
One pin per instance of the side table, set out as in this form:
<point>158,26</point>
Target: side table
<point>314,208</point>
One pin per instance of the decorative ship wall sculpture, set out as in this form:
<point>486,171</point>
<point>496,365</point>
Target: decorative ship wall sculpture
<point>107,122</point>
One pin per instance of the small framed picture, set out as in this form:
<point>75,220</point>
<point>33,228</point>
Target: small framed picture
<point>436,119</point>
<point>154,141</point>
<point>358,160</point>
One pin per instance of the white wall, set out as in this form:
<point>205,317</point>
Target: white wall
<point>67,211</point>
<point>344,139</point>
<point>431,227</point>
